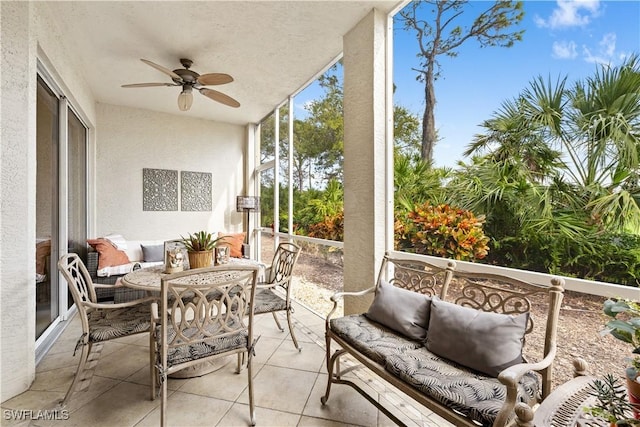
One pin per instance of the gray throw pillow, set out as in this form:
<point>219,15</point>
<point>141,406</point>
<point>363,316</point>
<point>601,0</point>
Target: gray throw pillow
<point>483,341</point>
<point>402,310</point>
<point>154,253</point>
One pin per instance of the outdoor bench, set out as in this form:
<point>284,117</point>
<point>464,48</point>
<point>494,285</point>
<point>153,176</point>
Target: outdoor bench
<point>451,340</point>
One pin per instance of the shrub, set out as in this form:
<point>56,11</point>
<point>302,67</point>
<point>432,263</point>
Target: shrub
<point>331,228</point>
<point>443,231</point>
<point>602,256</point>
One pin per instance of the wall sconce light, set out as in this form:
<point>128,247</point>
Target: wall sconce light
<point>247,204</point>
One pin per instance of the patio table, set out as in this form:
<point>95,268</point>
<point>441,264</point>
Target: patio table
<point>150,280</point>
<point>564,407</point>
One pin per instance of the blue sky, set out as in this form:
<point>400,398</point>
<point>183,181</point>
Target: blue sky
<point>564,38</point>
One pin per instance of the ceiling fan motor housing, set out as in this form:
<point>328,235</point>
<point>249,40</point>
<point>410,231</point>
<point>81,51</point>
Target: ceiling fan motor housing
<point>187,76</point>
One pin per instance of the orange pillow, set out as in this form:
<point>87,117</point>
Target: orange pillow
<point>108,255</point>
<point>43,250</point>
<point>234,241</point>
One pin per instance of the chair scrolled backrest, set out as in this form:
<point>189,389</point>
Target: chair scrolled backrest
<point>213,302</point>
<point>284,260</point>
<point>78,279</point>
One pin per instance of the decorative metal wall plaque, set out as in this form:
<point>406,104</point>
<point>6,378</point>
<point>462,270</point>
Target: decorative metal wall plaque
<point>196,191</point>
<point>159,190</point>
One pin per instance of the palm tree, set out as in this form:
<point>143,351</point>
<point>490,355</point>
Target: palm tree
<point>581,143</point>
<point>416,182</point>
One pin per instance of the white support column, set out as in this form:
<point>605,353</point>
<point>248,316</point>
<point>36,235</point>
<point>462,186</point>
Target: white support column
<point>276,176</point>
<point>365,106</point>
<point>251,184</point>
<point>290,162</point>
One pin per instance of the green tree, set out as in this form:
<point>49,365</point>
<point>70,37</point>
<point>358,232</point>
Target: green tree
<point>406,132</point>
<point>320,137</point>
<point>582,142</point>
<point>327,203</point>
<point>556,174</point>
<point>435,23</point>
<point>416,182</point>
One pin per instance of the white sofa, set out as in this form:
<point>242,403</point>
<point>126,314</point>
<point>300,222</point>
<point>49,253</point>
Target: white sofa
<point>109,274</point>
<point>136,258</point>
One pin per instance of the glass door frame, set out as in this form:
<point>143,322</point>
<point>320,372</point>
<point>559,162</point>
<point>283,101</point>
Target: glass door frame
<point>65,310</point>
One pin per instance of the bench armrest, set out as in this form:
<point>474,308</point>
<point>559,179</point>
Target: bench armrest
<point>335,298</point>
<point>513,374</point>
<point>510,378</point>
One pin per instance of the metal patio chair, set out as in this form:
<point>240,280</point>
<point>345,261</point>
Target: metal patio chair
<point>202,315</point>
<point>100,322</point>
<point>274,294</point>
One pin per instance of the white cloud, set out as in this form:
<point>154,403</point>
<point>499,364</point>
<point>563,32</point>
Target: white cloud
<point>570,13</point>
<point>605,52</point>
<point>564,50</point>
<point>608,44</point>
<point>305,106</point>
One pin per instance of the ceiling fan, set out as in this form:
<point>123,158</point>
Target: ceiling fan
<point>190,80</point>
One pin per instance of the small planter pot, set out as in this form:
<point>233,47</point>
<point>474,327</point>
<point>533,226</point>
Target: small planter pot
<point>200,259</point>
<point>633,388</point>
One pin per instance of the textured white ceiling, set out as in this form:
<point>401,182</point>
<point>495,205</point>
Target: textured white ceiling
<point>270,48</point>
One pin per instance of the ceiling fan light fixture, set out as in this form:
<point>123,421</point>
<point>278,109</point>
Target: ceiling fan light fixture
<point>185,99</point>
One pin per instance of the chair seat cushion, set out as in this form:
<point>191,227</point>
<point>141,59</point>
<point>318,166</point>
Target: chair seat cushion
<point>199,346</point>
<point>267,301</point>
<point>471,393</point>
<point>371,338</point>
<point>107,324</point>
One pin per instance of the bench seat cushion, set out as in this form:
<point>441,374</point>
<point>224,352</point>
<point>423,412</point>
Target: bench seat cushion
<point>371,338</point>
<point>473,394</point>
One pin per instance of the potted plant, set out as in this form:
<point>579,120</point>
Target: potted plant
<point>625,326</point>
<point>200,247</point>
<point>611,402</point>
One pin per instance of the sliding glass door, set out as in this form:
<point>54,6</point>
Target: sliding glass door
<point>61,198</point>
<point>47,148</point>
<point>77,186</point>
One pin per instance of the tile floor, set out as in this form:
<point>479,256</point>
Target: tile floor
<point>287,387</point>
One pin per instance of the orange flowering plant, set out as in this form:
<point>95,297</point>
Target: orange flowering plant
<point>443,231</point>
<point>331,228</point>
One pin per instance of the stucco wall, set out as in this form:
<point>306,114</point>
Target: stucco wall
<point>17,195</point>
<point>28,33</point>
<point>129,140</point>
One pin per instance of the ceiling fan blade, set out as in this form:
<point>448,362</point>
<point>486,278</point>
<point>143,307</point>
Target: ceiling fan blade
<point>149,84</point>
<point>220,97</point>
<point>214,79</point>
<point>161,68</point>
